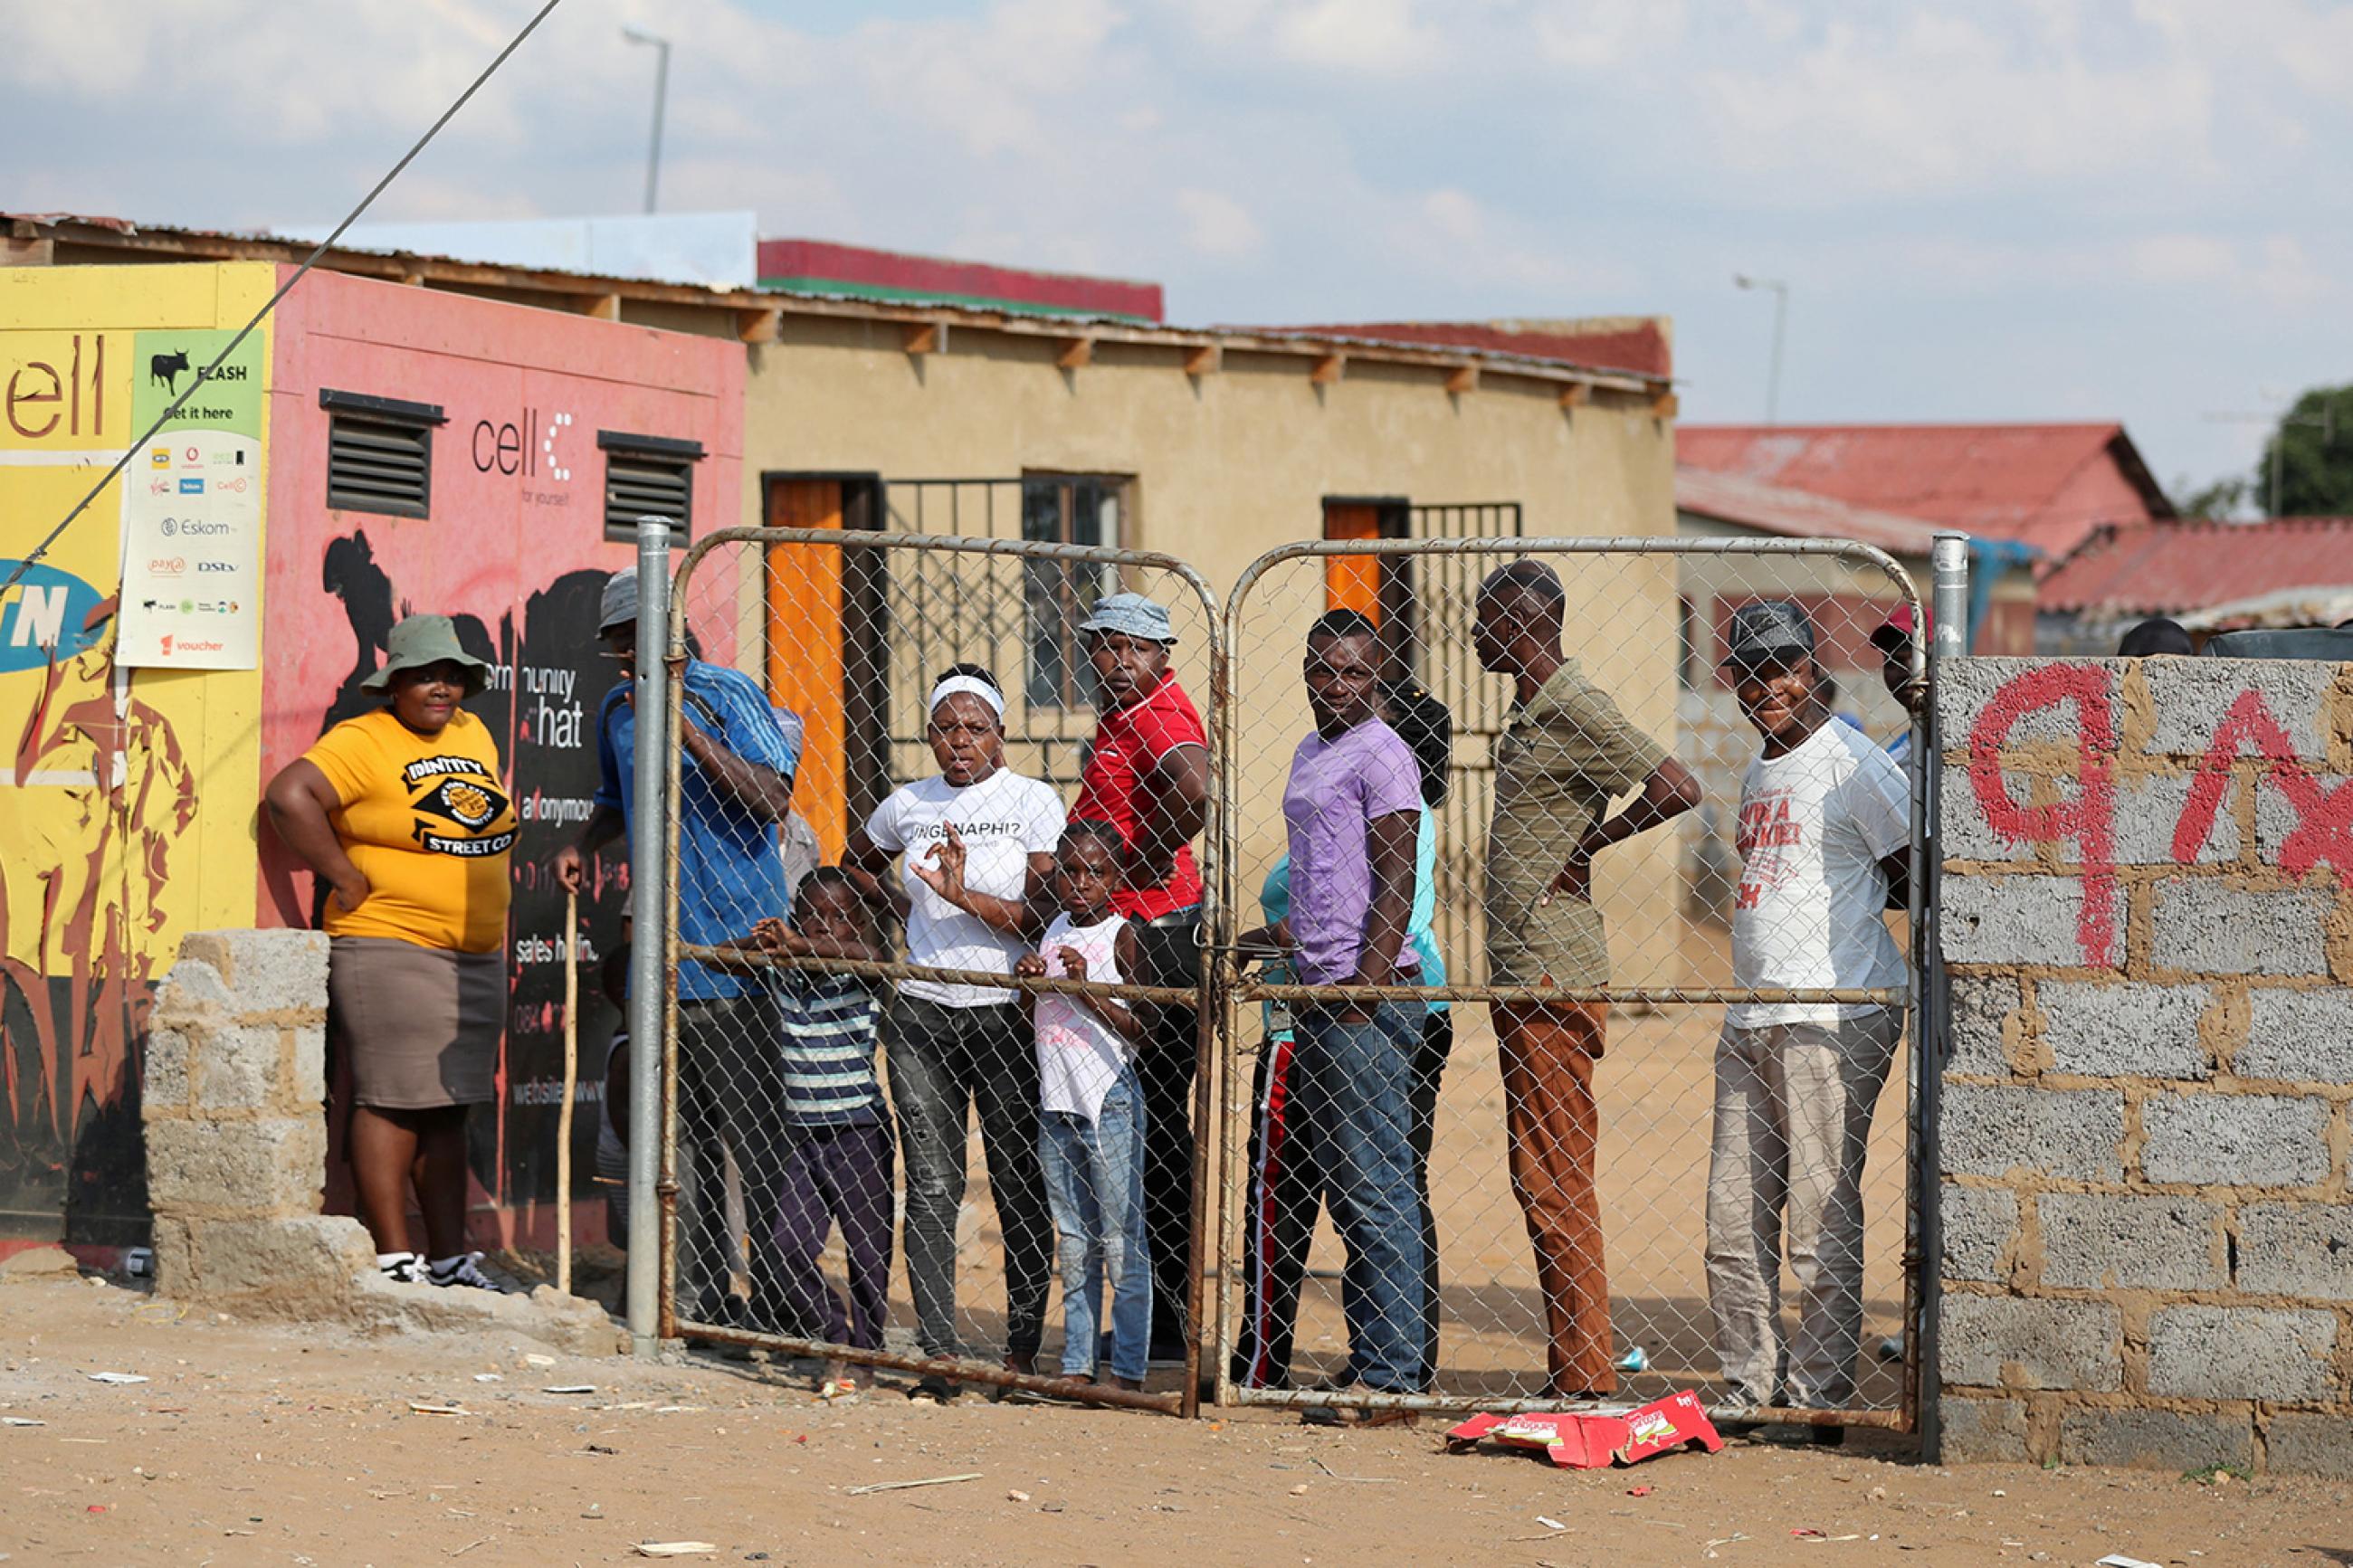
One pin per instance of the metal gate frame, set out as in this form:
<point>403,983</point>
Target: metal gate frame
<point>1234,992</point>
<point>1185,1403</point>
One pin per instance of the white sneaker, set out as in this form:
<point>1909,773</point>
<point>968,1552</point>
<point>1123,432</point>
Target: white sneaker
<point>400,1267</point>
<point>463,1269</point>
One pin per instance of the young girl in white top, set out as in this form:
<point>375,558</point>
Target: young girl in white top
<point>1091,1136</point>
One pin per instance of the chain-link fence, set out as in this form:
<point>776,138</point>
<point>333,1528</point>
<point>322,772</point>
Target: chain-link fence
<point>1691,844</point>
<point>901,1130</point>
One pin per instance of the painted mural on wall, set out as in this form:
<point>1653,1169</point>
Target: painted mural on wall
<point>100,804</point>
<point>548,674</point>
<point>513,551</point>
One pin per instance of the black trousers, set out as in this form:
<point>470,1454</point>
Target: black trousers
<point>730,1101</point>
<point>1283,1201</point>
<point>1169,954</point>
<point>943,1061</point>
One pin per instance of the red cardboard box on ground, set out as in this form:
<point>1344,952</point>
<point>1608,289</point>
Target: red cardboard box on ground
<point>1593,1442</point>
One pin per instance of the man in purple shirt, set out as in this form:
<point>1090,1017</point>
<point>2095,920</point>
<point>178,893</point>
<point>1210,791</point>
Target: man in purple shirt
<point>1352,808</point>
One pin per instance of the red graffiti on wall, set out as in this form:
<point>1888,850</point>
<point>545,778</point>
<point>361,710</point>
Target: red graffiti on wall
<point>2089,819</point>
<point>2323,832</point>
<point>2324,825</point>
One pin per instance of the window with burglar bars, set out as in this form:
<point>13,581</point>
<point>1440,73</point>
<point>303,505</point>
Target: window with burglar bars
<point>647,476</point>
<point>1065,509</point>
<point>379,453</point>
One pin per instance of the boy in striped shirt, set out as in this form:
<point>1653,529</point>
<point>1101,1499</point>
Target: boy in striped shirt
<point>837,1138</point>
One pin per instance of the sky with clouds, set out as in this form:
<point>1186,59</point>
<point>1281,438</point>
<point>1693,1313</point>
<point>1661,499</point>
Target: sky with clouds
<point>2005,209</point>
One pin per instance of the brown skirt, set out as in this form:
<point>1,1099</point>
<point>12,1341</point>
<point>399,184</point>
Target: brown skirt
<point>420,1025</point>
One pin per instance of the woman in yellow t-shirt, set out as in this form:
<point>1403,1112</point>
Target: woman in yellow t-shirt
<point>402,812</point>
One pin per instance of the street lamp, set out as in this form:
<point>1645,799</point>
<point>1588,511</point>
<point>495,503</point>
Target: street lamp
<point>1780,315</point>
<point>661,88</point>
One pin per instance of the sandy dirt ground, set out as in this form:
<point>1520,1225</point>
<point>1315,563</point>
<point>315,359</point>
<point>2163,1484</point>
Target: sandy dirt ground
<point>256,1444</point>
<point>1655,1091</point>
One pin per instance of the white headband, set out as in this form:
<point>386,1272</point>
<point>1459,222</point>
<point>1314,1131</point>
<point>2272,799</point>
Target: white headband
<point>970,684</point>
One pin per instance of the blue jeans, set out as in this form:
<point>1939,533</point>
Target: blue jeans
<point>1355,1083</point>
<point>1094,1184</point>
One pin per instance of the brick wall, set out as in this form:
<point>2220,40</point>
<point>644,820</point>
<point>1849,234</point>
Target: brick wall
<point>2148,1252</point>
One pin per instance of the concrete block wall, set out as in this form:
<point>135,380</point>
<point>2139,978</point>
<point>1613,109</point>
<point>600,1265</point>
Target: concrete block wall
<point>237,1146</point>
<point>2147,1236</point>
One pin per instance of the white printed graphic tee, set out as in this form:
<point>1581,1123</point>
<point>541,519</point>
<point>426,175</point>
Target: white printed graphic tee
<point>1080,1054</point>
<point>1004,819</point>
<point>1814,825</point>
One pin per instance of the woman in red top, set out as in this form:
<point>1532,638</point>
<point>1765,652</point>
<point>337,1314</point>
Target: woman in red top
<point>1147,774</point>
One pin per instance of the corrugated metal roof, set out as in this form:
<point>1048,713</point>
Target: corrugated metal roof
<point>2003,482</point>
<point>1728,498</point>
<point>801,265</point>
<point>1640,345</point>
<point>2179,566</point>
<point>155,241</point>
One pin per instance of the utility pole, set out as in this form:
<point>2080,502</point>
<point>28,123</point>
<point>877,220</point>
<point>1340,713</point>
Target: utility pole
<point>661,89</point>
<point>2324,422</point>
<point>1780,293</point>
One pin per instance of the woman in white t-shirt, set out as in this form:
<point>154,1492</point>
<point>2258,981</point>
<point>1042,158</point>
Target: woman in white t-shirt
<point>953,1046</point>
<point>1825,845</point>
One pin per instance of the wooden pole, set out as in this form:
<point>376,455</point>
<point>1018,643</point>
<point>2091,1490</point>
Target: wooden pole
<point>571,1078</point>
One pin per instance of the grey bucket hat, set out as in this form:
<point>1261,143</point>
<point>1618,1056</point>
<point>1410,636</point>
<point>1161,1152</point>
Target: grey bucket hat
<point>427,639</point>
<point>620,605</point>
<point>1764,633</point>
<point>1130,614</point>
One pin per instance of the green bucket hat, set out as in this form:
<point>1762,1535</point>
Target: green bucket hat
<point>427,639</point>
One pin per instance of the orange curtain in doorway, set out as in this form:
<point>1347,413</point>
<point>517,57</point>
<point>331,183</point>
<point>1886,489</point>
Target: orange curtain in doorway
<point>805,652</point>
<point>1353,581</point>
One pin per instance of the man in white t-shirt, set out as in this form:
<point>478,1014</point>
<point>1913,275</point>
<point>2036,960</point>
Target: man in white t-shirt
<point>1824,842</point>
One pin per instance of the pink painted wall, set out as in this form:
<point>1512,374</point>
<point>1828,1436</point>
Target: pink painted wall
<point>514,549</point>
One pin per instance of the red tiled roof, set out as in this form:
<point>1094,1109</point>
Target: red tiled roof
<point>2043,484</point>
<point>1638,344</point>
<point>2179,566</point>
<point>1728,498</point>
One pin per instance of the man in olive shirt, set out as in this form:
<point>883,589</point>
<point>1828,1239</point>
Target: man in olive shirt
<point>1566,754</point>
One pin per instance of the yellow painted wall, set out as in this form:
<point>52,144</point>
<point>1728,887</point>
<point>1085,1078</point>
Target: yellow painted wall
<point>129,822</point>
<point>1231,464</point>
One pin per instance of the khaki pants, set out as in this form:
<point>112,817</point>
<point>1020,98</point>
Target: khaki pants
<point>1548,1050</point>
<point>1793,1105</point>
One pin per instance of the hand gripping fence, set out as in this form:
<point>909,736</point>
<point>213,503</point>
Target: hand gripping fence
<point>796,1154</point>
<point>1603,1224</point>
<point>1615,1195</point>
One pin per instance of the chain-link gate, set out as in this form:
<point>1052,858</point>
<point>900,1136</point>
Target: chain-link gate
<point>1511,1217</point>
<point>856,1089</point>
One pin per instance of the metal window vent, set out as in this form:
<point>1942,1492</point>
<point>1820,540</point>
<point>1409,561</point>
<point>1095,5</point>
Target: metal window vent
<point>647,476</point>
<point>379,453</point>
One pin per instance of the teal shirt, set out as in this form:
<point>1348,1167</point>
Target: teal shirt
<point>1274,903</point>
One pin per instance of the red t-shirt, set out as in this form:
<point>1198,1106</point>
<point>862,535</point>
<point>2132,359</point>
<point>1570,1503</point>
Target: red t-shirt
<point>1129,744</point>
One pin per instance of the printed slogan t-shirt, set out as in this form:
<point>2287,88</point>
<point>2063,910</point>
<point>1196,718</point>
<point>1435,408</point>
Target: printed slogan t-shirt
<point>1003,820</point>
<point>1815,822</point>
<point>427,820</point>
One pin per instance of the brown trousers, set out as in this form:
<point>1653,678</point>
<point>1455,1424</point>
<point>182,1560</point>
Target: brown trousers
<point>1548,1051</point>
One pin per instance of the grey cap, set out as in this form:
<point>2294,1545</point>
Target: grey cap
<point>421,640</point>
<point>1767,632</point>
<point>1130,614</point>
<point>620,605</point>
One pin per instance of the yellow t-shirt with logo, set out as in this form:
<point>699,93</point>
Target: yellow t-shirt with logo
<point>428,822</point>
